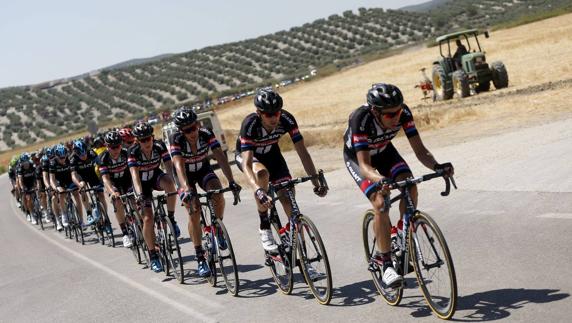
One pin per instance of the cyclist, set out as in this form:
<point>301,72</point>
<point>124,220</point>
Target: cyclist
<point>61,180</point>
<point>370,157</point>
<point>27,182</point>
<point>116,177</point>
<point>82,165</point>
<point>258,156</point>
<point>14,178</point>
<point>144,164</point>
<point>49,156</point>
<point>127,137</point>
<point>40,187</point>
<point>189,147</point>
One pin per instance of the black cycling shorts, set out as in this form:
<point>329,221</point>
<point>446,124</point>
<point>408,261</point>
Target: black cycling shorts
<point>202,177</point>
<point>274,163</point>
<point>388,163</point>
<point>153,184</point>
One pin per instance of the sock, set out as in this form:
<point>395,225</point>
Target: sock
<point>153,254</point>
<point>200,253</point>
<point>171,215</point>
<point>123,228</point>
<point>264,220</point>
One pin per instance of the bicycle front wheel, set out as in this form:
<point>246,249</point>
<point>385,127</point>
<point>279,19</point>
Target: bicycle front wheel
<point>226,259</point>
<point>173,251</point>
<point>280,264</point>
<point>314,260</point>
<point>107,228</point>
<point>433,265</point>
<point>392,296</point>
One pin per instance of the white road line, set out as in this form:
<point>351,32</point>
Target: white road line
<point>153,293</point>
<point>567,216</point>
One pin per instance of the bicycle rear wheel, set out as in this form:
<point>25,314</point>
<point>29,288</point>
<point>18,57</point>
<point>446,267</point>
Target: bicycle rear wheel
<point>280,264</point>
<point>314,260</point>
<point>226,259</point>
<point>173,252</point>
<point>392,296</point>
<point>433,265</point>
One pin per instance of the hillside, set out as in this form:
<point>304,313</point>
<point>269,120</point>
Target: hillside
<point>31,114</point>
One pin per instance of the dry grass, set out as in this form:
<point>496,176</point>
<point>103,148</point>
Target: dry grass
<point>535,53</point>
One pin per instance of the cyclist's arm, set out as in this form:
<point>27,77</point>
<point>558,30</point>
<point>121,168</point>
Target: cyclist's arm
<point>46,178</point>
<point>306,160</point>
<point>365,168</point>
<point>223,163</point>
<point>107,183</point>
<point>76,178</point>
<point>422,153</point>
<point>137,187</point>
<point>182,174</point>
<point>20,180</point>
<point>247,157</point>
<point>53,181</point>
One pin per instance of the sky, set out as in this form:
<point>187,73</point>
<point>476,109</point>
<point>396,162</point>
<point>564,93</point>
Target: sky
<point>46,40</point>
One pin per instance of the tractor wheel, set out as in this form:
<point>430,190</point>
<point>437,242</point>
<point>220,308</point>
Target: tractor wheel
<point>483,87</point>
<point>461,84</point>
<point>442,88</point>
<point>499,75</point>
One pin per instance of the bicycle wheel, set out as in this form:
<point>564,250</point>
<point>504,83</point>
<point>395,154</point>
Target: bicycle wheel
<point>107,229</point>
<point>314,260</point>
<point>173,251</point>
<point>281,264</point>
<point>433,265</point>
<point>77,224</point>
<point>140,240</point>
<point>226,259</point>
<point>134,243</point>
<point>392,296</point>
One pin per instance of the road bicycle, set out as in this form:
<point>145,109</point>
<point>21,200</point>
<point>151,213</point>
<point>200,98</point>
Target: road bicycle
<point>216,242</point>
<point>422,243</point>
<point>103,227</point>
<point>299,243</point>
<point>166,240</point>
<point>134,226</point>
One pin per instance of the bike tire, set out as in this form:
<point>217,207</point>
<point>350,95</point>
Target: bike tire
<point>173,251</point>
<point>142,245</point>
<point>77,226</point>
<point>313,240</point>
<point>227,260</point>
<point>422,223</point>
<point>281,265</point>
<point>134,243</point>
<point>392,296</point>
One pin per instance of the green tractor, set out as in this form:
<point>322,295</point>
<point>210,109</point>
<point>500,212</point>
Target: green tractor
<point>467,70</point>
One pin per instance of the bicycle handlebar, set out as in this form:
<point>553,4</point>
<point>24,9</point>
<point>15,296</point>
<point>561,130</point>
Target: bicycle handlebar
<point>412,181</point>
<point>294,181</point>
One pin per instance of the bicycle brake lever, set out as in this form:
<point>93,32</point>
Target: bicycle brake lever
<point>447,186</point>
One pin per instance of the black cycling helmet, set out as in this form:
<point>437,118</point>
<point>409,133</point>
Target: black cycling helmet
<point>268,101</point>
<point>113,138</point>
<point>184,116</point>
<point>383,96</point>
<point>98,141</point>
<point>142,130</point>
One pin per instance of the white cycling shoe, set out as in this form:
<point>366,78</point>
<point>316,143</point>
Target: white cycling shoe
<point>391,278</point>
<point>127,242</point>
<point>267,240</point>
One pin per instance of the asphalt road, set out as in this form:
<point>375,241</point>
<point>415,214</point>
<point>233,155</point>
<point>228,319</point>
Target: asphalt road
<point>509,228</point>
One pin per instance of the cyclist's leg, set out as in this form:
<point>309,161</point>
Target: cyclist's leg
<point>210,181</point>
<point>392,165</point>
<point>147,216</point>
<point>78,204</point>
<point>166,183</point>
<point>279,172</point>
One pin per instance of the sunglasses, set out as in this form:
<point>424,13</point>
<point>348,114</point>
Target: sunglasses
<point>390,115</point>
<point>114,146</point>
<point>190,129</point>
<point>271,114</point>
<point>146,139</point>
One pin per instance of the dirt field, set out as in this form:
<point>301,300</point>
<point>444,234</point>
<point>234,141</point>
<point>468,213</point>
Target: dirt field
<point>537,56</point>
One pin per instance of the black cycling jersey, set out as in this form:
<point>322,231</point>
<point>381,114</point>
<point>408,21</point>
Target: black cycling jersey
<point>12,173</point>
<point>85,168</point>
<point>28,175</point>
<point>194,162</point>
<point>116,169</point>
<point>366,133</point>
<point>62,172</point>
<point>254,137</point>
<point>148,167</point>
